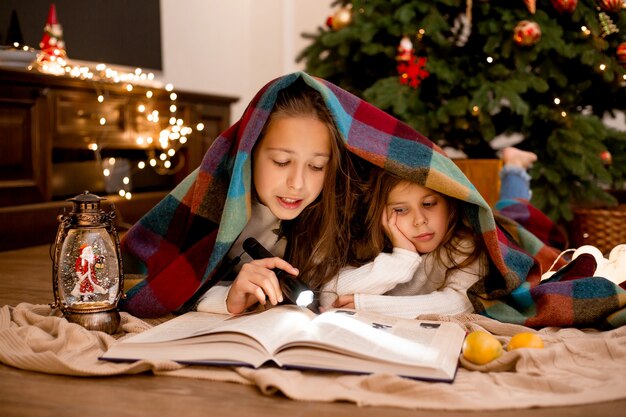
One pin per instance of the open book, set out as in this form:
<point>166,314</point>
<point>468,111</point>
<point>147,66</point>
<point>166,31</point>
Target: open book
<point>294,337</point>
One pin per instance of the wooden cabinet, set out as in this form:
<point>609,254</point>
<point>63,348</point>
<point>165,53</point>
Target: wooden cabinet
<point>49,126</point>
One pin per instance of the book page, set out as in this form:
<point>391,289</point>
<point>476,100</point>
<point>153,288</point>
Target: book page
<point>379,337</point>
<point>272,327</point>
<point>190,324</point>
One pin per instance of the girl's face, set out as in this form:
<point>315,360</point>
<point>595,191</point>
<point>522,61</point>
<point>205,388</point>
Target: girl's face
<point>422,214</point>
<point>290,164</point>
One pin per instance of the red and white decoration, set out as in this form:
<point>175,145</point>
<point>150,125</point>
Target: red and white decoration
<point>53,55</point>
<point>412,69</point>
<point>526,33</point>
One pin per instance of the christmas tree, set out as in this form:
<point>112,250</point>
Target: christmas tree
<point>463,73</point>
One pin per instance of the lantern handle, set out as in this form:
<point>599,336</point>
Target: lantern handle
<point>110,216</point>
<point>65,222</point>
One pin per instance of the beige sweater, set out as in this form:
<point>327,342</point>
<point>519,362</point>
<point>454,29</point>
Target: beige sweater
<point>261,226</point>
<point>406,284</point>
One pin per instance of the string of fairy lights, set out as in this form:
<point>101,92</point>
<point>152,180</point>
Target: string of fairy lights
<point>557,101</point>
<point>161,144</point>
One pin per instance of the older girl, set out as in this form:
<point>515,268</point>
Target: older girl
<point>301,203</point>
<point>280,175</point>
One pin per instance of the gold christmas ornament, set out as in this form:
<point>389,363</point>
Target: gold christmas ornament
<point>342,18</point>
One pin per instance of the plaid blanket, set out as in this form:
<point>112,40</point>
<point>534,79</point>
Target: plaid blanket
<point>179,245</point>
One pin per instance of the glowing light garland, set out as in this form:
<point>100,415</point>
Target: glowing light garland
<point>162,152</point>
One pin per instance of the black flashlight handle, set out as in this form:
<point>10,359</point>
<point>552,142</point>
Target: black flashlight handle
<point>290,285</point>
<point>258,251</point>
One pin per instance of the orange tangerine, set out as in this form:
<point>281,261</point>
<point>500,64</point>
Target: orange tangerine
<point>481,347</point>
<point>525,340</point>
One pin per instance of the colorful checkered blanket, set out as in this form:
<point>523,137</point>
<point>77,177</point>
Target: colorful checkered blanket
<point>179,245</point>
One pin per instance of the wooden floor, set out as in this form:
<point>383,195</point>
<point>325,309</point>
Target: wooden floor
<point>25,276</point>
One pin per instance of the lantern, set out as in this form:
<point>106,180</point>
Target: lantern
<point>87,273</point>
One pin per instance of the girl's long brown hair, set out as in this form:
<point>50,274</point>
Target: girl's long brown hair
<point>370,239</point>
<point>318,239</point>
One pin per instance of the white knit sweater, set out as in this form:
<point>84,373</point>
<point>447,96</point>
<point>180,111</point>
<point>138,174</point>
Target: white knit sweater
<point>405,284</point>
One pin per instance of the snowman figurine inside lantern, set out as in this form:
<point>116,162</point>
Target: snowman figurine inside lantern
<point>87,273</point>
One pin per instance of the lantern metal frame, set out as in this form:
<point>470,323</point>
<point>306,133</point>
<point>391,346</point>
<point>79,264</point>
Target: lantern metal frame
<point>86,214</point>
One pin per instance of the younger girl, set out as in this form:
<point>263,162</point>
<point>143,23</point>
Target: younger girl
<point>424,254</point>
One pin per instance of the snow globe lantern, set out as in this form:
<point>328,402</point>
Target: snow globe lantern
<point>87,273</point>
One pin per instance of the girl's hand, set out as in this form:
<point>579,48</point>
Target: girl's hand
<point>398,239</point>
<point>344,301</point>
<point>256,282</point>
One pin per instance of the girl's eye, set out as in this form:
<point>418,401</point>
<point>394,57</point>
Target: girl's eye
<point>428,204</point>
<point>317,168</point>
<point>281,163</point>
<point>400,210</point>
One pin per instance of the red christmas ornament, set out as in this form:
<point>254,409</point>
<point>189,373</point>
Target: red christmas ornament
<point>621,54</point>
<point>52,45</point>
<point>564,5</point>
<point>606,157</point>
<point>611,6</point>
<point>526,33</point>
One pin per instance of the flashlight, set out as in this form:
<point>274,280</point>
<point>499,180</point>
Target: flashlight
<point>295,290</point>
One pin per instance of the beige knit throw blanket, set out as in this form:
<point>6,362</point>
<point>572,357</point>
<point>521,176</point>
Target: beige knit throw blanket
<point>575,367</point>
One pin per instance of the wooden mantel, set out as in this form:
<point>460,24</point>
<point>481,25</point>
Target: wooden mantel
<point>46,125</point>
